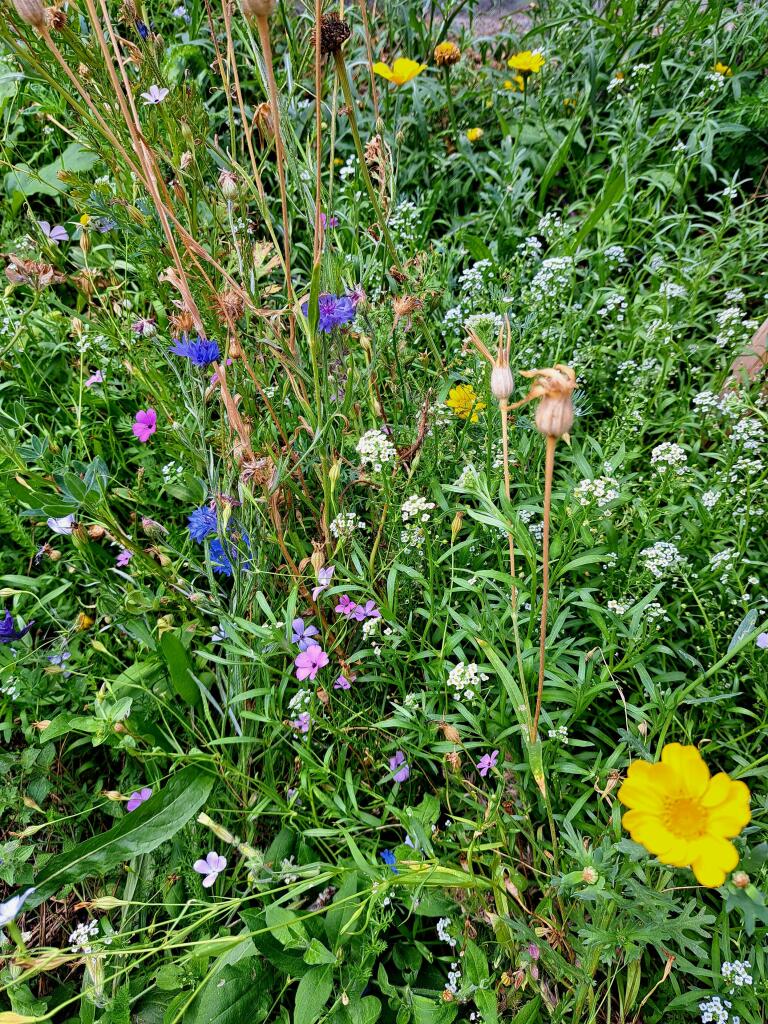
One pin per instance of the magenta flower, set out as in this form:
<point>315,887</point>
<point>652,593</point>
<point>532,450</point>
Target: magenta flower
<point>762,641</point>
<point>323,581</point>
<point>302,635</point>
<point>399,766</point>
<point>301,724</point>
<point>215,376</point>
<point>145,425</point>
<point>342,683</point>
<point>137,798</point>
<point>145,326</point>
<point>54,234</point>
<point>329,222</point>
<point>346,606</point>
<point>123,557</point>
<point>367,611</point>
<point>95,378</point>
<point>486,762</point>
<point>211,867</point>
<point>308,663</point>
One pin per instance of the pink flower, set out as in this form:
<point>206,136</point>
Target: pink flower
<point>145,425</point>
<point>487,762</point>
<point>95,378</point>
<point>211,867</point>
<point>123,557</point>
<point>346,606</point>
<point>308,663</point>
<point>137,798</point>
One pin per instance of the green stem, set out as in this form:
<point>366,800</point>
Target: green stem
<point>451,109</point>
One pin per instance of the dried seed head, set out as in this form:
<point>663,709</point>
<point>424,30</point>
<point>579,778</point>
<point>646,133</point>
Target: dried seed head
<point>31,11</point>
<point>404,307</point>
<point>334,32</point>
<point>96,532</point>
<point>453,760</point>
<point>230,306</point>
<point>56,19</point>
<point>318,555</point>
<point>228,184</point>
<point>257,8</point>
<point>554,386</point>
<point>263,123</point>
<point>502,383</point>
<point>182,322</point>
<point>446,54</point>
<point>450,732</point>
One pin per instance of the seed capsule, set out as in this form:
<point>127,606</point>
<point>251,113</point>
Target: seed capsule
<point>31,11</point>
<point>257,8</point>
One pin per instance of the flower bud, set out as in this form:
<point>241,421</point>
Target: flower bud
<point>228,184</point>
<point>257,8</point>
<point>96,532</point>
<point>740,879</point>
<point>318,556</point>
<point>31,11</point>
<point>589,875</point>
<point>502,383</point>
<point>554,416</point>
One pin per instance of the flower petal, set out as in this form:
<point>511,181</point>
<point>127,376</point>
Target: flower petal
<point>688,764</point>
<point>715,857</point>
<point>201,866</point>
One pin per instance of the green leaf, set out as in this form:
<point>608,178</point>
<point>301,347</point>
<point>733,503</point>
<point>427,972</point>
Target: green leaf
<point>312,994</point>
<point>239,992</point>
<point>485,1001</point>
<point>22,179</point>
<point>141,831</point>
<point>284,960</point>
<point>529,1013</point>
<point>613,189</point>
<point>177,660</point>
<point>316,953</point>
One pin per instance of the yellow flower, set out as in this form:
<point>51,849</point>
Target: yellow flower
<point>464,402</point>
<point>517,83</point>
<point>526,60</point>
<point>682,815</point>
<point>722,69</point>
<point>446,54</point>
<point>402,71</point>
<point>85,220</point>
<point>473,134</point>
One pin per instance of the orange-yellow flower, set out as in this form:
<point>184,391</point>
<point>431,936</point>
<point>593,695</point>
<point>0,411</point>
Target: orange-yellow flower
<point>684,816</point>
<point>722,69</point>
<point>465,403</point>
<point>474,134</point>
<point>402,71</point>
<point>517,83</point>
<point>447,54</point>
<point>526,61</point>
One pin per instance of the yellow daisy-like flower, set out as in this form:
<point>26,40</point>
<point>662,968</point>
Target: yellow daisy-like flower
<point>473,134</point>
<point>465,403</point>
<point>517,83</point>
<point>402,71</point>
<point>684,816</point>
<point>526,61</point>
<point>722,69</point>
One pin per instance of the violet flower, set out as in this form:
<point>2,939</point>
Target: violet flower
<point>63,526</point>
<point>334,311</point>
<point>201,352</point>
<point>329,222</point>
<point>54,234</point>
<point>342,683</point>
<point>301,724</point>
<point>346,606</point>
<point>123,557</point>
<point>7,631</point>
<point>302,635</point>
<point>95,378</point>
<point>389,858</point>
<point>762,641</point>
<point>399,767</point>
<point>211,867</point>
<point>154,95</point>
<point>137,798</point>
<point>145,425</point>
<point>487,762</point>
<point>324,577</point>
<point>308,663</point>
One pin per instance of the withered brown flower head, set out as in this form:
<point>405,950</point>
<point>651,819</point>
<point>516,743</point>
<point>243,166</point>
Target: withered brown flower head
<point>31,11</point>
<point>446,54</point>
<point>263,123</point>
<point>404,307</point>
<point>554,386</point>
<point>229,306</point>
<point>334,32</point>
<point>257,8</point>
<point>182,322</point>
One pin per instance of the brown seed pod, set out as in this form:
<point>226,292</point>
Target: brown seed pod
<point>334,32</point>
<point>257,8</point>
<point>31,11</point>
<point>554,386</point>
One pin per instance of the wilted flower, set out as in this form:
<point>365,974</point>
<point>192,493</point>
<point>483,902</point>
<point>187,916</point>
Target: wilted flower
<point>63,526</point>
<point>342,683</point>
<point>324,577</point>
<point>95,378</point>
<point>137,798</point>
<point>334,32</point>
<point>145,326</point>
<point>145,425</point>
<point>211,867</point>
<point>554,386</point>
<point>402,71</point>
<point>154,95</point>
<point>123,557</point>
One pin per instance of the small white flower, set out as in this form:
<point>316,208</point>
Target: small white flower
<point>10,910</point>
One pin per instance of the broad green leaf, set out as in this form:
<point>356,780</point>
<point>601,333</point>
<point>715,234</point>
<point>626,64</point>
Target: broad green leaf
<point>529,1013</point>
<point>141,831</point>
<point>177,660</point>
<point>613,189</point>
<point>312,994</point>
<point>28,182</point>
<point>239,992</point>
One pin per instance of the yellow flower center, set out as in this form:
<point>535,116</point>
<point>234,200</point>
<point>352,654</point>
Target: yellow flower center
<point>685,818</point>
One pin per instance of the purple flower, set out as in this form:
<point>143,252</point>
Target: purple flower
<point>302,635</point>
<point>301,724</point>
<point>64,526</point>
<point>324,577</point>
<point>144,326</point>
<point>342,683</point>
<point>762,641</point>
<point>145,425</point>
<point>399,766</point>
<point>54,234</point>
<point>389,858</point>
<point>201,352</point>
<point>211,867</point>
<point>95,378</point>
<point>308,663</point>
<point>533,951</point>
<point>142,29</point>
<point>222,558</point>
<point>356,295</point>
<point>370,611</point>
<point>334,310</point>
<point>123,557</point>
<point>7,632</point>
<point>137,798</point>
<point>329,222</point>
<point>215,376</point>
<point>154,94</point>
<point>346,606</point>
<point>486,762</point>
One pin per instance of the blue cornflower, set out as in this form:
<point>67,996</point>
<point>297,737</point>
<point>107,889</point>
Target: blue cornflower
<point>7,633</point>
<point>142,29</point>
<point>202,523</point>
<point>335,311</point>
<point>221,559</point>
<point>201,352</point>
<point>389,858</point>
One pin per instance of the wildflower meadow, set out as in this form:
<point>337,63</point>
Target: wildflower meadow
<point>384,512</point>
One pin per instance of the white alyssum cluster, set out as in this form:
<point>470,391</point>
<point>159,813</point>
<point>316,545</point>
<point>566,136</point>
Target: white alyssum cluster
<point>81,939</point>
<point>615,308</point>
<point>442,926</point>
<point>723,562</point>
<point>405,221</point>
<point>715,1011</point>
<point>672,290</point>
<point>376,450</point>
<point>748,434</point>
<point>616,254</point>
<point>417,509</point>
<point>550,225</point>
<point>736,973</point>
<point>466,680</point>
<point>345,525</point>
<point>551,280</point>
<point>662,558</point>
<point>714,81</point>
<point>710,498</point>
<point>669,456</point>
<point>300,701</point>
<point>560,734</point>
<point>729,405</point>
<point>733,327</point>
<point>601,492</point>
